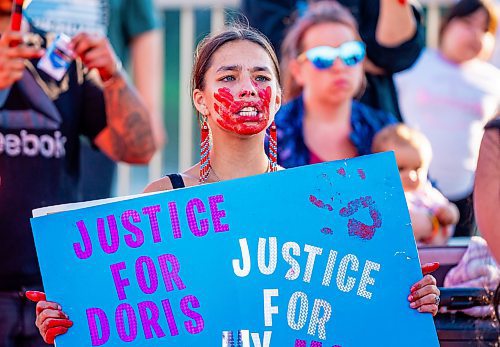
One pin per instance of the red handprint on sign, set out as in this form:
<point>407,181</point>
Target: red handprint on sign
<point>354,226</point>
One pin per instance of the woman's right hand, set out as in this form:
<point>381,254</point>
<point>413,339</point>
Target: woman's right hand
<point>51,321</point>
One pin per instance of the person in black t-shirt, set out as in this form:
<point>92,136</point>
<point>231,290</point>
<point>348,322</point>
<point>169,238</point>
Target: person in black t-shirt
<point>40,123</point>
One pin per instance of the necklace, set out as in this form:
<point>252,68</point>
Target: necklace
<point>217,179</point>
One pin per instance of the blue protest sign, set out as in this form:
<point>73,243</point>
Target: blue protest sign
<point>321,255</point>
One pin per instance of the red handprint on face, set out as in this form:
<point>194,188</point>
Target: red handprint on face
<point>245,117</point>
<point>354,226</point>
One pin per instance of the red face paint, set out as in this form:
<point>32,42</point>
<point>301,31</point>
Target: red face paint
<point>232,118</point>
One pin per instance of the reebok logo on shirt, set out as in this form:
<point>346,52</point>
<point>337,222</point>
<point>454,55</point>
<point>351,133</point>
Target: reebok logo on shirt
<point>31,145</point>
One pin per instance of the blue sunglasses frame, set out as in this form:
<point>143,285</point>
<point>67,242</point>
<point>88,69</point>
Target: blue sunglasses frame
<point>322,57</point>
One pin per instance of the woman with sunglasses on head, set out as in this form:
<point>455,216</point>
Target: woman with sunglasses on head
<point>323,66</point>
<point>236,89</point>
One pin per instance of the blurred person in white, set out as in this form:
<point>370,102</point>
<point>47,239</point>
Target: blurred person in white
<point>433,217</point>
<point>449,95</point>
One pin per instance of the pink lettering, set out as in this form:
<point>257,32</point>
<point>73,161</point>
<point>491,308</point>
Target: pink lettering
<point>170,275</point>
<point>139,236</point>
<point>94,314</point>
<point>113,231</point>
<point>172,325</point>
<point>120,283</point>
<point>199,323</point>
<point>150,323</point>
<point>192,222</point>
<point>217,214</point>
<point>141,275</point>
<point>131,321</point>
<point>151,211</point>
<point>174,219</point>
<point>87,251</point>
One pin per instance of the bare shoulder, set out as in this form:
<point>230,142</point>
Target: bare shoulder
<point>159,185</point>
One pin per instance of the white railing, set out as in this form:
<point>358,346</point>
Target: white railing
<point>187,31</point>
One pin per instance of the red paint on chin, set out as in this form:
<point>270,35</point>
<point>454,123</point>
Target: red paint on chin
<point>228,108</point>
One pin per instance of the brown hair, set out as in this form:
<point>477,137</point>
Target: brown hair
<point>210,44</point>
<point>401,135</point>
<point>465,8</point>
<point>317,13</point>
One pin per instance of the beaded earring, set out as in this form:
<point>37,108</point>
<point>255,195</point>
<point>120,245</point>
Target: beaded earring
<point>204,151</point>
<point>273,148</point>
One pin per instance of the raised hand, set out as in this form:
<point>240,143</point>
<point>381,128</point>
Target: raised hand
<point>12,57</point>
<point>96,53</point>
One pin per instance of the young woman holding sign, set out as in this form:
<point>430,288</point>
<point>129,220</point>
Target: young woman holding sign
<point>236,89</point>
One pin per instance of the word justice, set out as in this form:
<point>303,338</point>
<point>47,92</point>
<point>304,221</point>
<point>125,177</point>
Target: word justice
<point>290,250</point>
<point>200,217</point>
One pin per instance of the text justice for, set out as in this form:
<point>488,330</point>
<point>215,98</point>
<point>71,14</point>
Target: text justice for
<point>196,212</point>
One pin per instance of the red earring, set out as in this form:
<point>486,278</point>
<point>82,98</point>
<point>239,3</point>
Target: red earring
<point>273,148</point>
<point>204,150</point>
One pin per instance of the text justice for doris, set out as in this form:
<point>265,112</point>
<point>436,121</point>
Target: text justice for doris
<point>127,317</point>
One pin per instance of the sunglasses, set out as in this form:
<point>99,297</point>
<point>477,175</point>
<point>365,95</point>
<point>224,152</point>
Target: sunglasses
<point>323,57</point>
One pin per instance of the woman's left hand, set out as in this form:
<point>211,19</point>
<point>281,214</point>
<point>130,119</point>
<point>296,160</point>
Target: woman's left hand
<point>424,295</point>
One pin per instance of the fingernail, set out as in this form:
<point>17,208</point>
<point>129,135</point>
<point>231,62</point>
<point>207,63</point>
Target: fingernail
<point>410,297</point>
<point>412,305</point>
<point>59,307</point>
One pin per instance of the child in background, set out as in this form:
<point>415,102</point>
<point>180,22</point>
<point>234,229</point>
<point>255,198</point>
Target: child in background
<point>433,217</point>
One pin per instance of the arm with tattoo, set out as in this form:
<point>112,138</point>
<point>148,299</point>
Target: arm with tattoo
<point>128,136</point>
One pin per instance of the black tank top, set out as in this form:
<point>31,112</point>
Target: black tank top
<point>176,180</point>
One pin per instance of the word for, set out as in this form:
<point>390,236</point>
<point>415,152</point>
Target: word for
<point>317,321</point>
<point>146,275</point>
<point>290,250</point>
<point>132,229</point>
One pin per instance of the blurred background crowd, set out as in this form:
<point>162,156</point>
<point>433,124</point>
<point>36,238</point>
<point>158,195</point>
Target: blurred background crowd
<point>360,76</point>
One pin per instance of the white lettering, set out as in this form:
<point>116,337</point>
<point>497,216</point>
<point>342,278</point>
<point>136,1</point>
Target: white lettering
<point>347,286</point>
<point>245,255</point>
<point>269,310</point>
<point>366,279</point>
<point>31,145</point>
